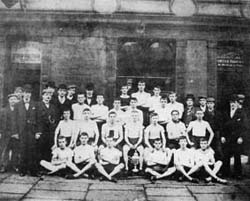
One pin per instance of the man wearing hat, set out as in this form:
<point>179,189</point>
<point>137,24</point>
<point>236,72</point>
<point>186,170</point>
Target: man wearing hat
<point>61,102</point>
<point>7,135</point>
<point>232,139</point>
<point>47,117</point>
<point>203,103</point>
<point>214,118</point>
<point>26,126</point>
<point>90,95</point>
<point>71,95</point>
<point>189,110</point>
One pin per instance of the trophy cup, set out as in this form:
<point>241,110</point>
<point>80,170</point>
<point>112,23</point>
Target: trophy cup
<point>135,161</point>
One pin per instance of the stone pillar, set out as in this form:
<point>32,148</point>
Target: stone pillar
<point>110,74</point>
<point>196,68</point>
<point>212,69</point>
<point>181,46</point>
<point>2,67</point>
<point>46,61</point>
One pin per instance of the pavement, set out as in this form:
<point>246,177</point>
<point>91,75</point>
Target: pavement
<point>13,187</point>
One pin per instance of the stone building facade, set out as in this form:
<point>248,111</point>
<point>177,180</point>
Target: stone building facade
<point>189,46</point>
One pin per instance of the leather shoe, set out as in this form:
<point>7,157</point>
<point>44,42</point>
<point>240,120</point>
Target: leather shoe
<point>22,174</point>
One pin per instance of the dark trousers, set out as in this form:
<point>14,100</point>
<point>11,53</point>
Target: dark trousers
<point>14,149</point>
<point>4,141</point>
<point>29,158</point>
<point>232,149</point>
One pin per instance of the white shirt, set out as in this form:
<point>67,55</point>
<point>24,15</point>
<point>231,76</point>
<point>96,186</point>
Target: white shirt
<point>176,106</point>
<point>159,157</point>
<point>142,98</point>
<point>199,128</point>
<point>66,128</point>
<point>89,127</point>
<point>184,157</point>
<point>128,114</point>
<point>100,112</point>
<point>110,156</point>
<point>83,153</point>
<point>206,156</point>
<point>175,130</point>
<point>164,113</point>
<point>154,131</point>
<point>78,110</point>
<point>62,155</point>
<point>154,102</point>
<point>117,128</point>
<point>61,99</point>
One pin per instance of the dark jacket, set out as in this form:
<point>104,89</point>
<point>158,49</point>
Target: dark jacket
<point>7,122</point>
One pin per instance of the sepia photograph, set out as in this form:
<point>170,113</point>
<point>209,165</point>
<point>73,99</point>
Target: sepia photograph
<point>125,100</point>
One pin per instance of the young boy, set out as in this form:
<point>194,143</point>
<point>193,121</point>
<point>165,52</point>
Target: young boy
<point>184,161</point>
<point>158,162</point>
<point>99,111</point>
<point>88,126</point>
<point>84,157</point>
<point>113,129</point>
<point>175,129</point>
<point>125,98</point>
<point>203,103</point>
<point>61,158</point>
<point>163,112</point>
<point>78,107</point>
<point>174,105</point>
<point>204,158</point>
<point>154,101</point>
<point>133,107</point>
<point>121,115</point>
<point>109,163</point>
<point>199,128</point>
<point>133,138</point>
<point>66,128</point>
<point>154,131</point>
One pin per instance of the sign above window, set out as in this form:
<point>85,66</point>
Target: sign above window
<point>26,52</point>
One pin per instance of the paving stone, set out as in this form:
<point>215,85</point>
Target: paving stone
<point>4,175</point>
<point>56,195</point>
<point>36,199</point>
<point>10,196</point>
<point>16,179</point>
<point>14,188</point>
<point>222,189</point>
<point>168,192</point>
<point>222,197</point>
<point>152,198</point>
<point>100,186</point>
<point>134,181</point>
<point>106,195</point>
<point>61,186</point>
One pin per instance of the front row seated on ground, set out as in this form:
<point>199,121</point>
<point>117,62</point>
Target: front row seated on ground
<point>183,163</point>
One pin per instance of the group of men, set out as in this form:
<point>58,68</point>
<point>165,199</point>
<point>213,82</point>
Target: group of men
<point>77,135</point>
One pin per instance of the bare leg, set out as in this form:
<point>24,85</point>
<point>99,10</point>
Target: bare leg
<point>170,171</point>
<point>101,170</point>
<point>89,165</point>
<point>52,168</point>
<point>117,169</point>
<point>125,155</point>
<point>72,166</point>
<point>194,169</point>
<point>183,171</point>
<point>140,150</point>
<point>152,172</point>
<point>213,172</point>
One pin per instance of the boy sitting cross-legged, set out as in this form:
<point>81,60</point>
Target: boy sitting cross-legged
<point>61,158</point>
<point>208,167</point>
<point>158,162</point>
<point>84,158</point>
<point>109,161</point>
<point>184,161</point>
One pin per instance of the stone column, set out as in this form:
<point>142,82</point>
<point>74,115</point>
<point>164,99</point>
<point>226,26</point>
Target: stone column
<point>110,74</point>
<point>212,69</point>
<point>2,67</point>
<point>181,46</point>
<point>196,68</point>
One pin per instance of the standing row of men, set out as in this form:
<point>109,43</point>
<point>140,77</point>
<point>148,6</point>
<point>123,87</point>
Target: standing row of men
<point>32,125</point>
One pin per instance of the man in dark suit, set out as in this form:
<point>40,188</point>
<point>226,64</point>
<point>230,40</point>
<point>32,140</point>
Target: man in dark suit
<point>189,110</point>
<point>232,138</point>
<point>26,125</point>
<point>90,95</point>
<point>61,102</point>
<point>214,118</point>
<point>71,94</point>
<point>47,117</point>
<point>8,139</point>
